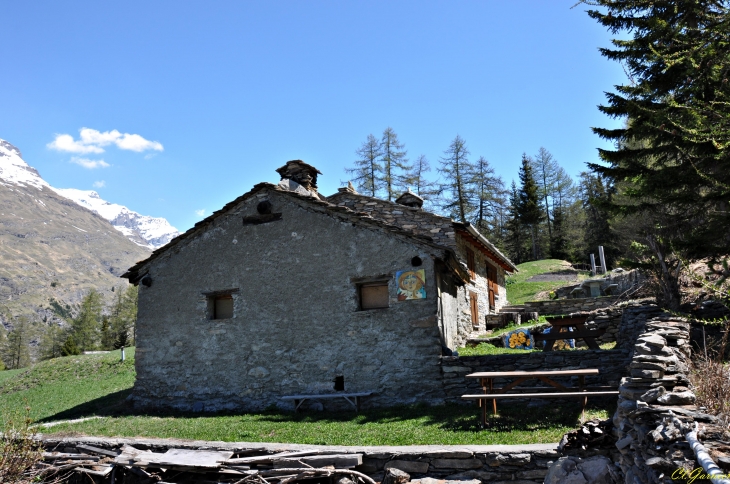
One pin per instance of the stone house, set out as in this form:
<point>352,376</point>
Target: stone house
<point>283,290</point>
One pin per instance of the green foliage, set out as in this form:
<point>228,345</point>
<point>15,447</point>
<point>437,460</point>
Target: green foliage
<point>52,342</point>
<point>69,347</point>
<point>2,366</point>
<point>15,349</point>
<point>86,327</point>
<point>671,158</point>
<point>61,310</point>
<point>486,349</point>
<point>123,318</point>
<point>20,451</point>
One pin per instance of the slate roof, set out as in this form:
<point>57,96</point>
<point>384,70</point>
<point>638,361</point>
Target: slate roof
<point>136,272</point>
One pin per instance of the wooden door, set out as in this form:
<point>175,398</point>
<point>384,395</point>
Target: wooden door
<point>474,304</point>
<point>492,286</point>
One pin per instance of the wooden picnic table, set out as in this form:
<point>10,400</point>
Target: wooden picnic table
<point>486,380</point>
<point>577,322</point>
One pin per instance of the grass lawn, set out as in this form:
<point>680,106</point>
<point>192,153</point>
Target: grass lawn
<point>81,386</point>
<point>484,349</point>
<point>520,290</point>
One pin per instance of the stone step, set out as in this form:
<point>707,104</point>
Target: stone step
<point>512,309</point>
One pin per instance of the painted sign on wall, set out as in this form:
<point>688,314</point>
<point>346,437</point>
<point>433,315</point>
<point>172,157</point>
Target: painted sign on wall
<point>411,284</point>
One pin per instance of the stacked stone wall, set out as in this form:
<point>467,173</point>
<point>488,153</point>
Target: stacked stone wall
<point>470,464</point>
<point>567,306</point>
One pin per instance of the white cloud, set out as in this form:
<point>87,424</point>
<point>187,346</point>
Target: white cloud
<point>200,212</point>
<point>65,142</point>
<point>93,141</point>
<point>99,184</point>
<point>90,164</point>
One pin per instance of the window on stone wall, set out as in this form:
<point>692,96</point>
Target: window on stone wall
<point>470,264</point>
<point>220,304</point>
<point>374,295</point>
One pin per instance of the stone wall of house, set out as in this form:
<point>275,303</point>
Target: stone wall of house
<point>296,321</point>
<point>441,229</point>
<point>625,280</point>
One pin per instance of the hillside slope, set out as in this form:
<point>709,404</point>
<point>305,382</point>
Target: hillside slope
<point>52,251</point>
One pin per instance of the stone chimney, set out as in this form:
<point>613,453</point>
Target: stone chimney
<point>410,199</point>
<point>301,173</point>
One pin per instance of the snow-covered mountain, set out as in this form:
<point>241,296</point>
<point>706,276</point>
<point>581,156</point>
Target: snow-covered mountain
<point>143,230</point>
<point>140,229</point>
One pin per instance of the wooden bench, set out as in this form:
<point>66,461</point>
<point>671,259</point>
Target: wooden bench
<point>491,393</point>
<point>300,399</point>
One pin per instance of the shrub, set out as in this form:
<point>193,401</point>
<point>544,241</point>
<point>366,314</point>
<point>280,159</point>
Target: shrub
<point>710,376</point>
<point>69,348</point>
<point>19,451</point>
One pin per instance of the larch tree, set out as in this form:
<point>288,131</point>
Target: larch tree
<point>456,169</point>
<point>15,350</point>
<point>529,208</point>
<point>545,169</point>
<point>418,182</point>
<point>86,327</point>
<point>368,170</point>
<point>487,193</point>
<point>394,164</point>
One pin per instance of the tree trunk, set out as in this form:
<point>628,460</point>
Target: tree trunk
<point>668,276</point>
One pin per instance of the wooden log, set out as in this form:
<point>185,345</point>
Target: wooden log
<point>340,461</point>
<point>261,459</point>
<point>395,476</point>
<point>95,472</point>
<point>96,450</point>
<point>64,456</point>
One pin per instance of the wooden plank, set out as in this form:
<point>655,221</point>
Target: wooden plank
<point>502,396</point>
<point>339,461</point>
<point>260,459</point>
<point>97,450</point>
<point>326,395</point>
<point>507,374</point>
<point>193,458</point>
<point>552,389</point>
<point>64,456</point>
<point>100,471</point>
<point>570,321</point>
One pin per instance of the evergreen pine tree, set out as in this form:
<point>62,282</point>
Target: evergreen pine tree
<point>69,347</point>
<point>514,241</point>
<point>674,152</point>
<point>529,208</point>
<point>456,170</point>
<point>368,170</point>
<point>559,241</point>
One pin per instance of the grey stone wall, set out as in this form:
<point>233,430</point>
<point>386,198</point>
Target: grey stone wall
<point>652,447</point>
<point>441,229</point>
<point>611,363</point>
<point>567,306</point>
<point>296,323</point>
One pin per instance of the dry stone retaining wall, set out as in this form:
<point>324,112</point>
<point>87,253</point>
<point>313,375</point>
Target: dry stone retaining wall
<point>472,464</point>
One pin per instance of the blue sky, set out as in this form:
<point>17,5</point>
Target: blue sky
<point>229,91</point>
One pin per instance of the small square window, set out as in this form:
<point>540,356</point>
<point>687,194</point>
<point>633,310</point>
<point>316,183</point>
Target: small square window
<point>223,307</point>
<point>220,304</point>
<point>374,295</point>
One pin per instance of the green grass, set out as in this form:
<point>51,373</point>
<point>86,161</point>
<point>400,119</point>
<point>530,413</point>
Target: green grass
<point>486,349</point>
<point>4,375</point>
<point>81,386</point>
<point>520,290</point>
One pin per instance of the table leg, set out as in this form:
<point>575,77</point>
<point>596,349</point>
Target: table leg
<point>591,342</point>
<point>494,400</point>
